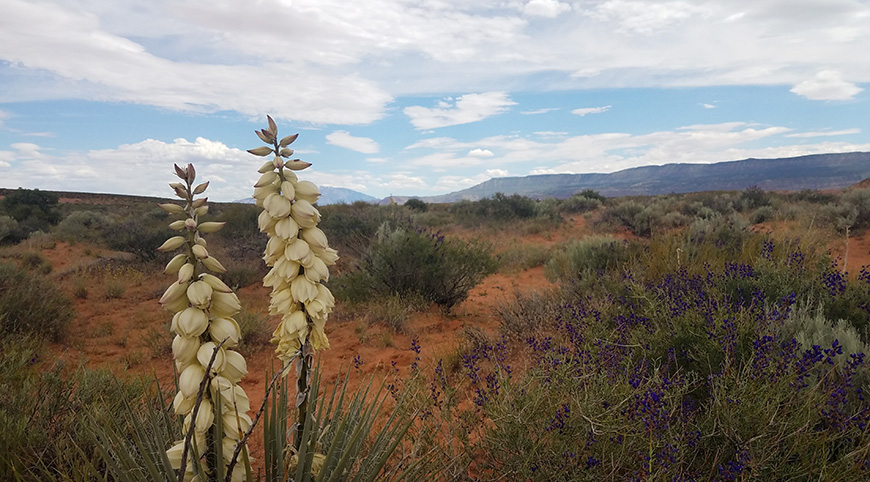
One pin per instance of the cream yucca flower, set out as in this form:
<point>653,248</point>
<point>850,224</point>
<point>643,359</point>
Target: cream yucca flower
<point>297,251</point>
<point>203,307</point>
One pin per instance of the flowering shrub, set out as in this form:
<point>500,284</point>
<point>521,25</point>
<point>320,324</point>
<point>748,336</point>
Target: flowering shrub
<point>678,375</point>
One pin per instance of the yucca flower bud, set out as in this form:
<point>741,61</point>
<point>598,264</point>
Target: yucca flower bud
<point>184,348</point>
<point>209,352</point>
<point>234,367</point>
<point>225,330</point>
<point>199,294</point>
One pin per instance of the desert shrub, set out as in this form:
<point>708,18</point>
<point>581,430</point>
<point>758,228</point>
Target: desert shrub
<point>719,202</point>
<point>810,196</point>
<point>351,227</point>
<point>857,201</point>
<point>32,209</point>
<point>699,211</point>
<point>808,325</point>
<point>591,194</point>
<point>411,262</point>
<point>579,204</point>
<point>8,228</point>
<point>588,257</point>
<point>141,236</point>
<point>435,218</point>
<point>417,205</point>
<point>500,208</point>
<point>725,232</point>
<point>84,226</point>
<point>33,260</point>
<point>44,410</point>
<point>761,215</point>
<point>240,239</point>
<point>523,257</point>
<point>30,304</point>
<point>529,313</point>
<point>254,329</point>
<point>753,198</point>
<point>392,311</point>
<point>628,214</point>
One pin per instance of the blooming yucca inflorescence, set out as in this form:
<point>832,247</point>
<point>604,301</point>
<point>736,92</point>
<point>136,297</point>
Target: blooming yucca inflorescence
<point>297,251</point>
<point>205,330</point>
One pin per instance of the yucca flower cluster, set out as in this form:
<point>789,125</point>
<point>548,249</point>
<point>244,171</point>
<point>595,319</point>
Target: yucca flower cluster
<point>205,332</point>
<point>297,251</point>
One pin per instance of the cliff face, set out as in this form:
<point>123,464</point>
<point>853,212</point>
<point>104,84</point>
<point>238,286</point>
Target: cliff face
<point>821,171</point>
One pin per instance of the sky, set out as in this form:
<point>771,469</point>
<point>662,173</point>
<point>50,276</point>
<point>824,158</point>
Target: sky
<point>402,97</point>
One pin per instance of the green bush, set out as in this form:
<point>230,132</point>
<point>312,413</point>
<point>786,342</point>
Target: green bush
<point>630,215</point>
<point>351,227</point>
<point>8,228</point>
<point>761,215</point>
<point>417,205</point>
<point>141,236</point>
<point>588,257</point>
<point>84,226</point>
<point>30,304</point>
<point>411,262</point>
<point>579,203</point>
<point>32,209</point>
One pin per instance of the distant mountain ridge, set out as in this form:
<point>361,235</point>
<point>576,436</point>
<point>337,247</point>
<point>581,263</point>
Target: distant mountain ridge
<point>817,171</point>
<point>333,195</point>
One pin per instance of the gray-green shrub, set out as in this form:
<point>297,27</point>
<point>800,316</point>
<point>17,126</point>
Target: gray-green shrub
<point>30,304</point>
<point>409,261</point>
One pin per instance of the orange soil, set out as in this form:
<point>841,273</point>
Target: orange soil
<point>120,333</point>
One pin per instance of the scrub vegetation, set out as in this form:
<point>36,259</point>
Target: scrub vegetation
<point>709,336</point>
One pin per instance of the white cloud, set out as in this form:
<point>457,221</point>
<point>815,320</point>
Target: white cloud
<point>480,153</point>
<point>343,139</point>
<point>826,85</point>
<point>645,17</point>
<point>496,173</point>
<point>708,106</point>
<point>539,111</point>
<point>551,134</point>
<point>843,132</point>
<point>344,65</point>
<point>378,160</point>
<point>590,110</point>
<point>545,8</point>
<point>87,61</point>
<point>466,109</point>
<point>142,168</point>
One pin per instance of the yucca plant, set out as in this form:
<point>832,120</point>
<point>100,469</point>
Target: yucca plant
<point>342,437</point>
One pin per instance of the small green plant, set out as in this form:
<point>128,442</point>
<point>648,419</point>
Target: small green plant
<point>104,329</point>
<point>113,289</point>
<point>30,304</point>
<point>80,288</point>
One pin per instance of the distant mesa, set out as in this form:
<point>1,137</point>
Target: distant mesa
<point>819,171</point>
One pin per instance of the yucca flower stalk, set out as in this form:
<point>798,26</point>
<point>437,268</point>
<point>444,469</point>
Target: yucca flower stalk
<point>205,331</point>
<point>299,256</point>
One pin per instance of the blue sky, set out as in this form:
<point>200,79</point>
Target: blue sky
<point>420,97</point>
